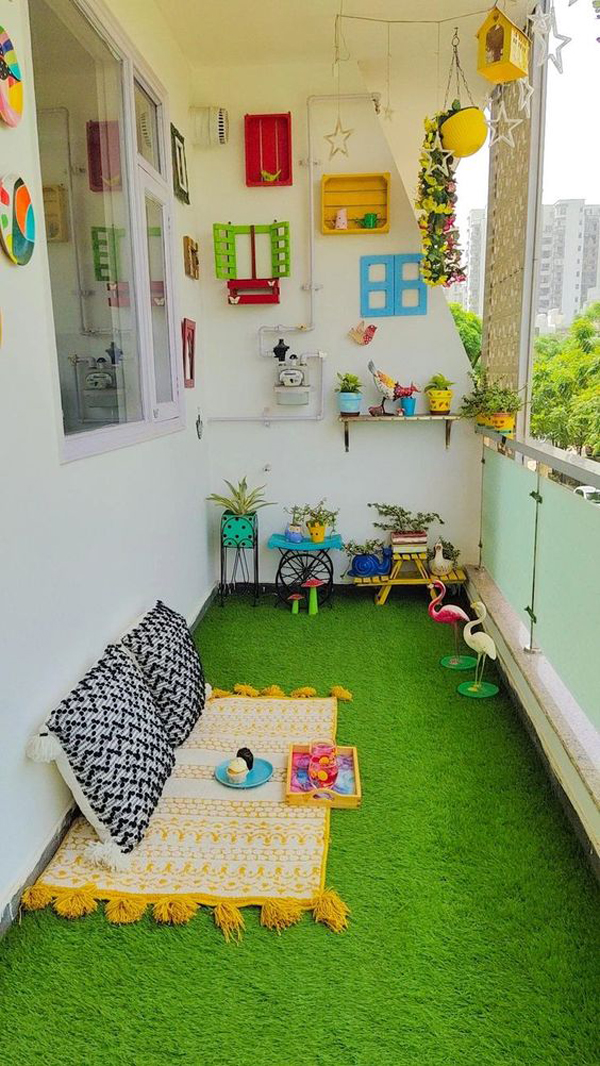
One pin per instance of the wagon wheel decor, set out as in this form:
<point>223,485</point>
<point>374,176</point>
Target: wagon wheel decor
<point>297,567</point>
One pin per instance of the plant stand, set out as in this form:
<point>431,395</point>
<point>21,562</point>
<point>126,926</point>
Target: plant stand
<point>408,568</point>
<point>240,533</point>
<point>301,562</point>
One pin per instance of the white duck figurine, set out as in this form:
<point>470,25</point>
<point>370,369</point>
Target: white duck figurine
<point>439,565</point>
<point>480,642</point>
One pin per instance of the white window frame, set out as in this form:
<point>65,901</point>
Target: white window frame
<point>157,419</point>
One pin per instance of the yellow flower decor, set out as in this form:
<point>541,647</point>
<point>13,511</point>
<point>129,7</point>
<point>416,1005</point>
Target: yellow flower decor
<point>436,206</point>
<point>274,691</point>
<point>246,690</point>
<point>340,693</point>
<point>306,692</point>
<point>220,693</point>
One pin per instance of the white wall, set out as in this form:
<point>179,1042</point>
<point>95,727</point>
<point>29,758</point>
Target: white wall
<point>85,546</point>
<point>407,464</point>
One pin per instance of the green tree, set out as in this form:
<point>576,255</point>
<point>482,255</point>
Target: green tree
<point>565,399</point>
<point>468,325</point>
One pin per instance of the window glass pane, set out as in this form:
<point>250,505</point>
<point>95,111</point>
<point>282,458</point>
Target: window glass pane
<point>565,408</point>
<point>155,230</point>
<point>86,203</point>
<point>146,125</point>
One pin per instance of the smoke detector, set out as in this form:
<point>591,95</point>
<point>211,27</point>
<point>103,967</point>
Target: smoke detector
<point>211,126</point>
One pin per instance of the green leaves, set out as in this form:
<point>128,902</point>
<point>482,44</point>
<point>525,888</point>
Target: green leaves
<point>399,520</point>
<point>241,500</point>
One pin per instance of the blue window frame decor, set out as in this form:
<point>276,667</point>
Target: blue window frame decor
<point>395,286</point>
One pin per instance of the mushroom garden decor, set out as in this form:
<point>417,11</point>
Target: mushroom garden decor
<point>312,585</point>
<point>294,599</point>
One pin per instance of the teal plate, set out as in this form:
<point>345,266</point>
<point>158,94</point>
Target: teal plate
<point>261,772</point>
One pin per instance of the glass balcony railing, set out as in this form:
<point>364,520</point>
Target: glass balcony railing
<point>541,547</point>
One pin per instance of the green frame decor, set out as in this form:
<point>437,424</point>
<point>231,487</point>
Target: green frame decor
<point>181,186</point>
<point>224,237</point>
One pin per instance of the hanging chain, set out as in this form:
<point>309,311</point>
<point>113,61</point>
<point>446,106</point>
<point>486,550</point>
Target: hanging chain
<point>457,70</point>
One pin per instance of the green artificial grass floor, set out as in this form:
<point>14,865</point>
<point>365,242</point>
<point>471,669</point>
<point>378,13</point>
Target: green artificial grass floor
<point>473,938</point>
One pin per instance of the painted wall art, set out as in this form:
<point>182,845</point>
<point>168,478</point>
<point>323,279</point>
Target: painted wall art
<point>191,259</point>
<point>17,219</point>
<point>55,213</point>
<point>11,84</point>
<point>180,175</point>
<point>188,334</point>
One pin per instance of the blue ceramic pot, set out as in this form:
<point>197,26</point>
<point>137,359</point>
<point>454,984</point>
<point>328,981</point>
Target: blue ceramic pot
<point>408,404</point>
<point>294,535</point>
<point>349,403</point>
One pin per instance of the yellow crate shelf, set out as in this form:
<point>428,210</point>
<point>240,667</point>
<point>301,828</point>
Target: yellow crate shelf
<point>360,194</point>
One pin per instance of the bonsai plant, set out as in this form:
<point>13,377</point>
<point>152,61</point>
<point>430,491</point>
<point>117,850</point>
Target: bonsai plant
<point>404,526</point>
<point>318,519</point>
<point>349,394</point>
<point>439,393</point>
<point>239,521</point>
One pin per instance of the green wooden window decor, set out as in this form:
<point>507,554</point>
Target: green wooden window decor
<point>224,239</point>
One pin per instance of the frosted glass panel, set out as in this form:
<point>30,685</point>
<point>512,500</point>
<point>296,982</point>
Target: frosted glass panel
<point>567,599</point>
<point>508,526</point>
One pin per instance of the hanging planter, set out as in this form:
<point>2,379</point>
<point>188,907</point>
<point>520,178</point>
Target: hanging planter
<point>465,131</point>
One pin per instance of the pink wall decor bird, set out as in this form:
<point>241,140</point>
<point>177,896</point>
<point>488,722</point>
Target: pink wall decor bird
<point>362,334</point>
<point>448,614</point>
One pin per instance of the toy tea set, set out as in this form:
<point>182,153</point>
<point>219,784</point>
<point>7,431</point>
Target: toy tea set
<point>321,771</point>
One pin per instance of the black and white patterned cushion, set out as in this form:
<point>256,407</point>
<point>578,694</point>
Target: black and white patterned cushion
<point>116,747</point>
<point>167,657</point>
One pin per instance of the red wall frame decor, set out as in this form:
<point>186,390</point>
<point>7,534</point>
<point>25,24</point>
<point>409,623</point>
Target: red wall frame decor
<point>268,140</point>
<point>188,336</point>
<point>104,156</point>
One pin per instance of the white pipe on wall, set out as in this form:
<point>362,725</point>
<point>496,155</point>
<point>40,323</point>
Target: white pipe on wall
<point>310,286</point>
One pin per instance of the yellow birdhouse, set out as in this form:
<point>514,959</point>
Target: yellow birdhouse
<point>503,53</point>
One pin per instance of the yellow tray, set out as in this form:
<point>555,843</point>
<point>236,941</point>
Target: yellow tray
<point>324,796</point>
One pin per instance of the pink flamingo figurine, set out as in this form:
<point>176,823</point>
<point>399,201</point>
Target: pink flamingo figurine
<point>449,614</point>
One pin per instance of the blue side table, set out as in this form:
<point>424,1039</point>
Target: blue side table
<point>302,561</point>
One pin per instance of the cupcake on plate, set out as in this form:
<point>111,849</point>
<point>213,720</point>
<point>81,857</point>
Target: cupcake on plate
<point>237,771</point>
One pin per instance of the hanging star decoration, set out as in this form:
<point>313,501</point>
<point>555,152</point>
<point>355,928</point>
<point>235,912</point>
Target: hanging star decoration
<point>525,94</point>
<point>338,139</point>
<point>440,158</point>
<point>556,56</point>
<point>541,24</point>
<point>502,127</point>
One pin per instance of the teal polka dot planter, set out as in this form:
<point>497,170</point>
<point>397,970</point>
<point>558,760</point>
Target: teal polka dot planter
<point>238,531</point>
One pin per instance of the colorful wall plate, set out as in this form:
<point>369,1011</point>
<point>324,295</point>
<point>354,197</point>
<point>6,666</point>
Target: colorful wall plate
<point>11,85</point>
<point>17,219</point>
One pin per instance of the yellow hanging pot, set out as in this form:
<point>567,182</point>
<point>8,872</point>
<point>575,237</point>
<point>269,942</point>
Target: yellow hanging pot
<point>464,133</point>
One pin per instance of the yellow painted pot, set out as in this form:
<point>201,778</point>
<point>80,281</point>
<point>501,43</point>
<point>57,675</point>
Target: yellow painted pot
<point>464,133</point>
<point>503,422</point>
<point>317,532</point>
<point>482,420</point>
<point>440,401</point>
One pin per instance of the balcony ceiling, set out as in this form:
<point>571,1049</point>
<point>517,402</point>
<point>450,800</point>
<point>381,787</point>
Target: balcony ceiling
<point>274,31</point>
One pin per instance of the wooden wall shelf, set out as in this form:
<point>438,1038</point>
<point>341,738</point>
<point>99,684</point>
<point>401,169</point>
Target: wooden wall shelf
<point>360,194</point>
<point>393,420</point>
<point>268,141</point>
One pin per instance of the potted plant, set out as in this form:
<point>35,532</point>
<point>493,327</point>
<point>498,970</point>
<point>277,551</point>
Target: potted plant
<point>439,393</point>
<point>492,404</point>
<point>239,520</point>
<point>368,559</point>
<point>293,530</point>
<point>463,130</point>
<point>405,528</point>
<point>318,519</point>
<point>349,394</point>
<point>436,206</point>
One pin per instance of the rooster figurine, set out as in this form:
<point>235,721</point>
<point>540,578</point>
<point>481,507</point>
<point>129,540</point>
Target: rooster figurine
<point>389,389</point>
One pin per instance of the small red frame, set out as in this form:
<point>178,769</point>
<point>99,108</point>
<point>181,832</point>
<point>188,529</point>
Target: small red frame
<point>268,140</point>
<point>188,337</point>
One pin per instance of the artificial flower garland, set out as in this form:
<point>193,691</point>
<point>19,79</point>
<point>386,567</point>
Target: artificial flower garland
<point>436,204</point>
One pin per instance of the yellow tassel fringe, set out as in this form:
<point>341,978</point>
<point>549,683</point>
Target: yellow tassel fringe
<point>304,693</point>
<point>229,919</point>
<point>331,911</point>
<point>246,690</point>
<point>174,910</point>
<point>340,693</point>
<point>219,693</point>
<point>76,902</point>
<point>274,691</point>
<point>279,914</point>
<point>125,910</point>
<point>36,897</point>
